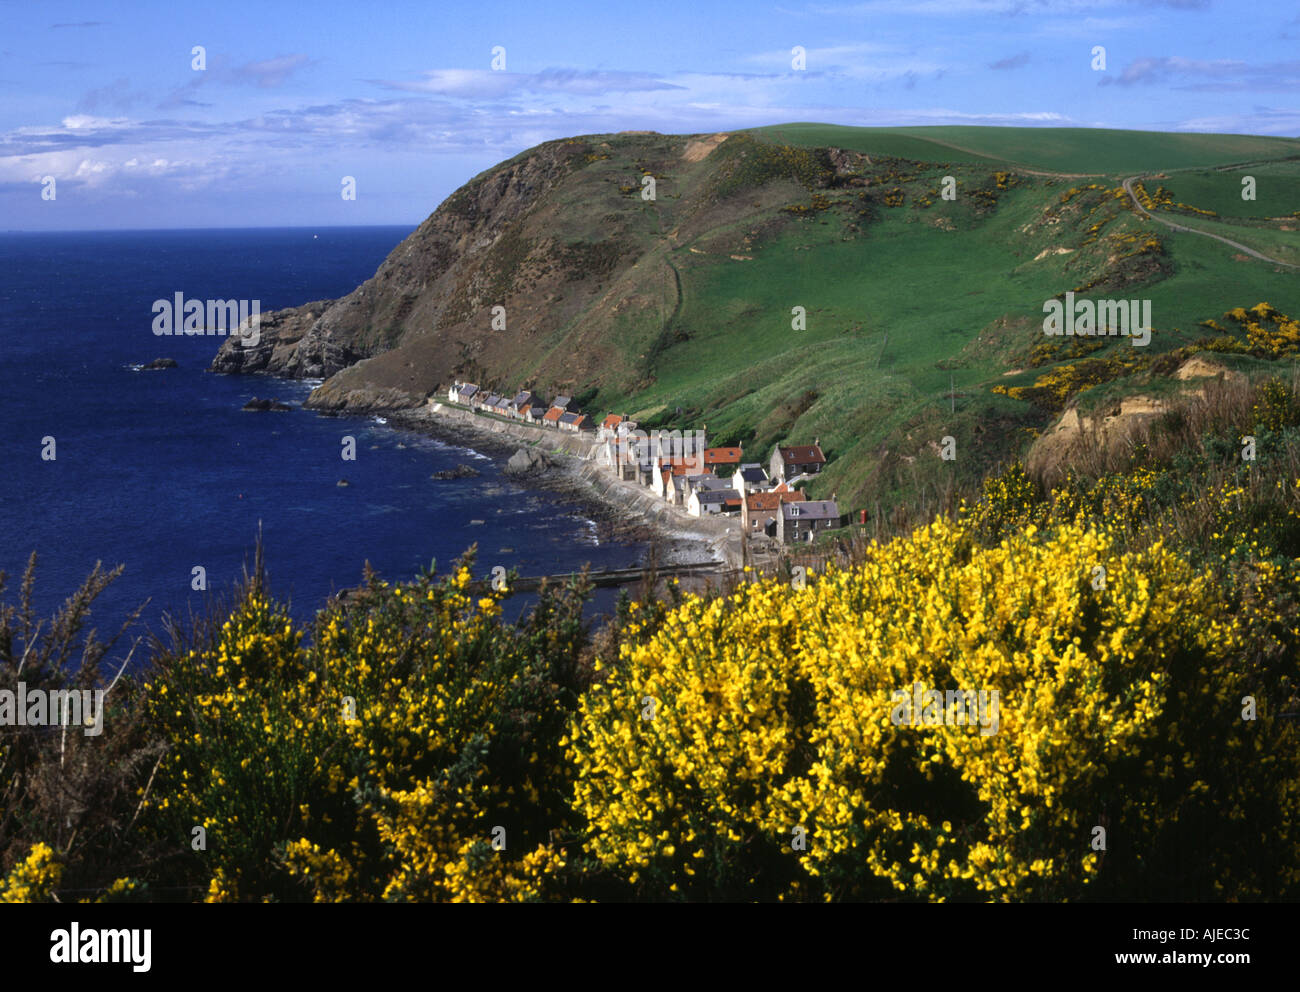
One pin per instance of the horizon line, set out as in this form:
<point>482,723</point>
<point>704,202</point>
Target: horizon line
<point>161,230</point>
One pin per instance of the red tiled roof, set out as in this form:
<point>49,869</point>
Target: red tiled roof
<point>721,456</point>
<point>554,414</point>
<point>772,500</point>
<point>801,453</point>
<point>613,420</point>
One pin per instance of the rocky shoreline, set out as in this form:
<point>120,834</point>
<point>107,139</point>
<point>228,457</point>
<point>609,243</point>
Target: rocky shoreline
<point>566,475</point>
<point>622,512</point>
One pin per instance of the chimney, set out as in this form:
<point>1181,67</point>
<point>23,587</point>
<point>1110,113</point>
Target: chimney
<point>817,441</point>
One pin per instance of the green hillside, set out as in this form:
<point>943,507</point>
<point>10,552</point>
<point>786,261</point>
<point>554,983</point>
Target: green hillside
<point>923,314</point>
<point>913,315</point>
<point>1277,189</point>
<point>1072,150</point>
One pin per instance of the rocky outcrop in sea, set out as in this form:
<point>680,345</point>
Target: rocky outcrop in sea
<point>528,462</point>
<point>256,405</point>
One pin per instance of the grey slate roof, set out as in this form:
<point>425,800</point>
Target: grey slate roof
<point>716,495</point>
<point>706,481</point>
<point>812,509</point>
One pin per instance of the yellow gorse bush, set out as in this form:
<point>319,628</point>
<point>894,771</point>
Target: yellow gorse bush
<point>1130,735</point>
<point>373,763</point>
<point>37,878</point>
<point>1120,707</point>
<point>34,879</point>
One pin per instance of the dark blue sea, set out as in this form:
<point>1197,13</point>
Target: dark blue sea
<point>161,471</point>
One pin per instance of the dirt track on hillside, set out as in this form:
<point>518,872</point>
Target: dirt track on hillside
<point>1191,230</point>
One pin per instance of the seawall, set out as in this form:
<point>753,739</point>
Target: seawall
<point>721,535</point>
<point>549,439</point>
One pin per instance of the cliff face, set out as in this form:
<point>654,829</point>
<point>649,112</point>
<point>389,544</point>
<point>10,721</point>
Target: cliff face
<point>407,298</point>
<point>277,350</point>
<point>543,235</point>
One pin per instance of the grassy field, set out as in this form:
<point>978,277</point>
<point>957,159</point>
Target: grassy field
<point>1284,245</point>
<point>1065,150</point>
<point>1277,189</point>
<point>912,317</point>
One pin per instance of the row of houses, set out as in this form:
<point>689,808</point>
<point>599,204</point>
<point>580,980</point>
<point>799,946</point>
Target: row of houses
<point>680,467</point>
<point>561,413</point>
<point>683,470</point>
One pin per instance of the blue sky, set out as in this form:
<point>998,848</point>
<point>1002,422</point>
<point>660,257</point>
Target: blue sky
<point>403,96</point>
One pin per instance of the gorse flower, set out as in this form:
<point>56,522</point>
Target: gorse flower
<point>369,763</point>
<point>775,713</point>
<point>410,744</point>
<point>33,880</point>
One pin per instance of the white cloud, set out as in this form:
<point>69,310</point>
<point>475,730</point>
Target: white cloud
<point>485,84</point>
<point>1277,121</point>
<point>78,122</point>
<point>1208,74</point>
<point>827,55</point>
